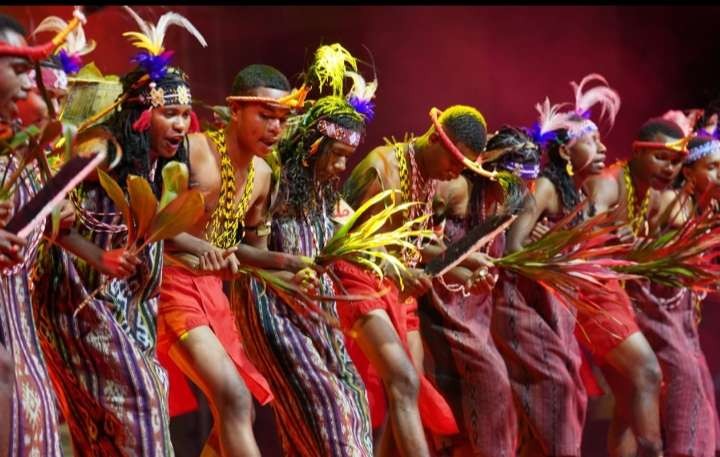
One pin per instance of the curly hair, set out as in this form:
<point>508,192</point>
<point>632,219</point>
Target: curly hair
<point>136,145</point>
<point>301,191</point>
<point>522,150</point>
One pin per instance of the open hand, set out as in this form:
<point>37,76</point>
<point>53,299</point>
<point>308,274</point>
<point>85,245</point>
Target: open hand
<point>222,262</point>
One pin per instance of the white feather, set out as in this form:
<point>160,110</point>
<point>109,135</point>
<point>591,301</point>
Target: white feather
<point>360,88</point>
<point>168,19</point>
<point>607,97</point>
<point>75,42</point>
<point>145,27</point>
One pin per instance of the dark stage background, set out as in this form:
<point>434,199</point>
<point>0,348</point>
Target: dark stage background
<point>501,59</point>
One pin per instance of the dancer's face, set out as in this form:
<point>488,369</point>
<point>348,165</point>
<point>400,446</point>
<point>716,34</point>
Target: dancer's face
<point>658,167</point>
<point>445,166</point>
<point>258,126</point>
<point>168,126</point>
<point>586,154</point>
<point>14,80</point>
<point>704,174</point>
<point>333,161</point>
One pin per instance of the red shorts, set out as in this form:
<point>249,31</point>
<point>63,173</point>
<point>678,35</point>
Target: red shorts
<point>188,301</point>
<point>602,332</point>
<point>434,410</point>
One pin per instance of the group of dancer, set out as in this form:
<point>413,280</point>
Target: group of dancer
<point>478,361</point>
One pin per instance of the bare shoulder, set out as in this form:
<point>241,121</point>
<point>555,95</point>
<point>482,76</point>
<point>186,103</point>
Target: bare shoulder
<point>200,149</point>
<point>262,169</point>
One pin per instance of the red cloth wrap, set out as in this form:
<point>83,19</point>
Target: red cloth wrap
<point>435,412</point>
<point>188,301</point>
<point>601,332</point>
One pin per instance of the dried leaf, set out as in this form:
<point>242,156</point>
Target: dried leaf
<point>178,216</point>
<point>116,194</point>
<point>143,206</point>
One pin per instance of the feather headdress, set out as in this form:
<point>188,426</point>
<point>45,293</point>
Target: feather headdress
<point>153,56</point>
<point>576,121</point>
<point>43,51</point>
<point>331,66</point>
<point>76,45</point>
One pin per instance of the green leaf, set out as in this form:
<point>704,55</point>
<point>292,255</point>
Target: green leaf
<point>175,176</point>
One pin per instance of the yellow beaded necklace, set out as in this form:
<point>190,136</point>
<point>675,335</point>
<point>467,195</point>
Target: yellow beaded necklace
<point>636,221</point>
<point>223,225</point>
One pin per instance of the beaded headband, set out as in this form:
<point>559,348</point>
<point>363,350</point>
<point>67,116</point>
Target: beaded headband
<point>703,150</point>
<point>54,78</point>
<point>339,133</point>
<point>157,97</point>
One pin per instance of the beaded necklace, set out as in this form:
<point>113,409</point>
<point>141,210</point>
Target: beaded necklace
<point>414,189</point>
<point>223,225</point>
<point>636,221</point>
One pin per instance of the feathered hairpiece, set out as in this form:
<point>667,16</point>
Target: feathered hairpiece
<point>333,63</point>
<point>577,121</point>
<point>153,57</point>
<point>330,66</point>
<point>44,51</point>
<point>76,45</point>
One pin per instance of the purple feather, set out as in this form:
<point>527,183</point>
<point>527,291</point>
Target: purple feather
<point>364,107</point>
<point>156,66</point>
<point>541,139</point>
<point>71,63</point>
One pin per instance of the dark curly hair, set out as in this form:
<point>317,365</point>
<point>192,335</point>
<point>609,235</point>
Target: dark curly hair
<point>136,145</point>
<point>301,192</point>
<point>522,150</point>
<point>258,75</point>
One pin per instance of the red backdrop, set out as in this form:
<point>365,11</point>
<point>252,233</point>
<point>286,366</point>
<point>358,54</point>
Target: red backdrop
<point>502,60</point>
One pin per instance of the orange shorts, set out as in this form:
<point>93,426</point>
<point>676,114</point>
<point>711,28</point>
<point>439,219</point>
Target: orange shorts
<point>434,410</point>
<point>188,301</point>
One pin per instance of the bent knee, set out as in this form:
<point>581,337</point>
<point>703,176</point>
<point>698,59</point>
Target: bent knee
<point>234,399</point>
<point>403,384</point>
<point>648,376</point>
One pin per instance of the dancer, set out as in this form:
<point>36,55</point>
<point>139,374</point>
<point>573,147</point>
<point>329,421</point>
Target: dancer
<point>195,325</point>
<point>320,402</point>
<point>640,194</point>
<point>101,356</point>
<point>29,426</point>
<point>384,334</point>
<point>455,324</point>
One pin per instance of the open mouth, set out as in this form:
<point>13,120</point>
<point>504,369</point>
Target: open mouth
<point>174,142</point>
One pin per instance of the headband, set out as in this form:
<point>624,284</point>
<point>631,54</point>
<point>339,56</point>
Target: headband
<point>455,152</point>
<point>339,133</point>
<point>705,149</point>
<point>679,145</point>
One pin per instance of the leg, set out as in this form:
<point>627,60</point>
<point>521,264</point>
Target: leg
<point>415,345</point>
<point>379,341</point>
<point>640,376</point>
<point>203,359</point>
